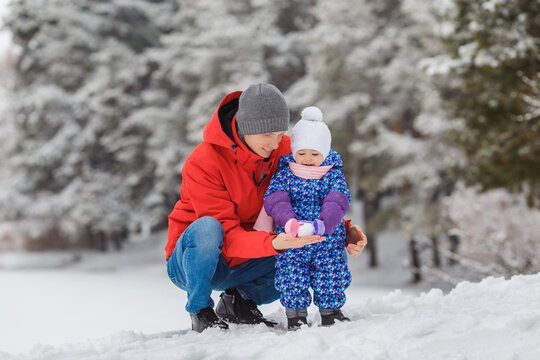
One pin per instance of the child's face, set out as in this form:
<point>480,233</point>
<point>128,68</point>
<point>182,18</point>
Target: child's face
<point>308,157</point>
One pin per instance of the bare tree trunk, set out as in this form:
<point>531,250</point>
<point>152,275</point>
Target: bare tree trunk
<point>415,261</point>
<point>97,239</point>
<point>436,253</point>
<point>454,242</point>
<point>101,241</point>
<point>119,238</point>
<point>372,248</point>
<point>371,206</point>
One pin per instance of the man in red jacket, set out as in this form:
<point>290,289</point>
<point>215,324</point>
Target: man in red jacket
<point>211,242</point>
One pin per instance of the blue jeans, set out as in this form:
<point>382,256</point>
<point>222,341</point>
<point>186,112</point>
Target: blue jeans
<point>197,266</point>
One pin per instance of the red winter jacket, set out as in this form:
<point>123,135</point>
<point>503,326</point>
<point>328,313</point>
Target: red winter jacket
<point>222,178</point>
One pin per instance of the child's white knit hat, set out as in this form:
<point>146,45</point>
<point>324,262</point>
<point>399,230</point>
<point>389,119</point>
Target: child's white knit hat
<point>310,132</point>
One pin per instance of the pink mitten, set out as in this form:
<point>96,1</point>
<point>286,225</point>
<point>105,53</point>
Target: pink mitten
<point>291,227</point>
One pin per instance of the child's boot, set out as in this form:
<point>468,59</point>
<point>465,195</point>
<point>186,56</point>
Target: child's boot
<point>329,316</point>
<point>296,318</point>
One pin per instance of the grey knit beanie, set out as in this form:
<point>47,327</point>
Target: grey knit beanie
<point>262,109</point>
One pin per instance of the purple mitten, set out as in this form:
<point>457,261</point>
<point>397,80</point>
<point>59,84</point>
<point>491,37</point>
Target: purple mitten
<point>319,227</point>
<point>278,205</point>
<point>335,206</point>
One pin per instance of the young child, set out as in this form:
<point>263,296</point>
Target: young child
<point>310,188</point>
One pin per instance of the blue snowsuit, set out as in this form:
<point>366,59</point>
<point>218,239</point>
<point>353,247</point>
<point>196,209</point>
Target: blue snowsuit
<point>321,265</point>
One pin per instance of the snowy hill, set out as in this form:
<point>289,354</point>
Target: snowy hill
<point>80,305</point>
<point>495,319</point>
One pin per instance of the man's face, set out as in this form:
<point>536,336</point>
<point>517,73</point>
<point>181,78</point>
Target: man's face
<point>308,157</point>
<point>264,144</point>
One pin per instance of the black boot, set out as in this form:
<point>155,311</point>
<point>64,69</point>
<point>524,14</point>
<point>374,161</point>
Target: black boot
<point>206,318</point>
<point>329,316</point>
<point>295,318</point>
<point>295,323</point>
<point>233,308</point>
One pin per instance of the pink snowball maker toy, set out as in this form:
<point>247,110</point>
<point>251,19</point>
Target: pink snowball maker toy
<point>301,228</point>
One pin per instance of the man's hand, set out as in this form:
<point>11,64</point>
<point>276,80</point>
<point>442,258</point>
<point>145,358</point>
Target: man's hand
<point>289,241</point>
<point>356,240</point>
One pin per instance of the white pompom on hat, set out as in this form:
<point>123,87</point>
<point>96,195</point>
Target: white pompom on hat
<point>310,132</point>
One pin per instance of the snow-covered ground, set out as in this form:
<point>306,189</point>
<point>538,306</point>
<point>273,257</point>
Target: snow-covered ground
<point>56,298</point>
<point>122,306</point>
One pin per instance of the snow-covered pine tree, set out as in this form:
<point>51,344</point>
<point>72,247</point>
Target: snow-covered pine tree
<point>97,143</point>
<point>490,78</point>
<point>7,66</point>
<point>95,161</point>
<point>113,95</point>
<point>362,71</point>
<point>218,46</point>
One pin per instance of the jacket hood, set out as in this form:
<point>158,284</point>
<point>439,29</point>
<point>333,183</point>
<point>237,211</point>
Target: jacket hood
<point>333,159</point>
<point>219,130</point>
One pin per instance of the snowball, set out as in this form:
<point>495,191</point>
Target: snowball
<point>306,229</point>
